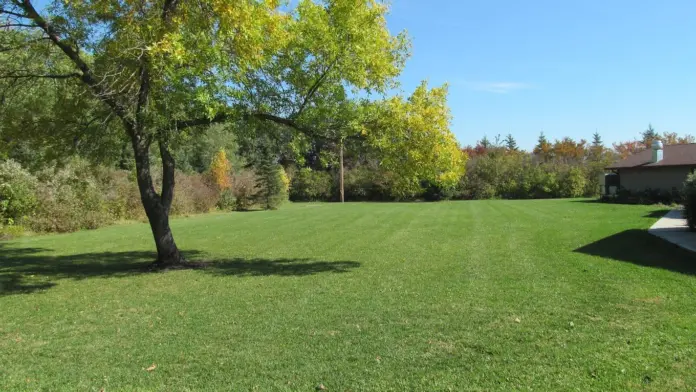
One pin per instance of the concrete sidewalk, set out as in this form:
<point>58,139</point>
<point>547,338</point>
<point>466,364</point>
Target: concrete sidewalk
<point>673,228</point>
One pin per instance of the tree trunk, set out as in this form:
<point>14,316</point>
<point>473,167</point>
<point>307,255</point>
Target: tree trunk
<point>157,206</point>
<point>340,176</point>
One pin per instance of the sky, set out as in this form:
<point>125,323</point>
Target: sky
<point>564,67</point>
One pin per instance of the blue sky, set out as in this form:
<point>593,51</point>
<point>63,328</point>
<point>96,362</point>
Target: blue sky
<point>566,67</point>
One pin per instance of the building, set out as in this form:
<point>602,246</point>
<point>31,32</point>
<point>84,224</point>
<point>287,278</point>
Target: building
<point>659,168</point>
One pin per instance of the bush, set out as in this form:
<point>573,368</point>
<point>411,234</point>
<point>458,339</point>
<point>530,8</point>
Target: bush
<point>310,185</point>
<point>366,184</point>
<point>689,197</point>
<point>10,231</point>
<point>435,192</point>
<point>574,183</point>
<point>243,190</point>
<point>194,194</point>
<point>70,199</point>
<point>18,197</point>
<point>227,201</point>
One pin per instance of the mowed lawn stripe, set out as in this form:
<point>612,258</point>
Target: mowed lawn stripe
<point>484,295</point>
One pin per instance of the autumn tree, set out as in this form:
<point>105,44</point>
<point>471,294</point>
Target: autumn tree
<point>414,140</point>
<point>220,169</point>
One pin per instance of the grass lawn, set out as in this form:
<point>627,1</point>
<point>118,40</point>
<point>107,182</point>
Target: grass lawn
<point>482,295</point>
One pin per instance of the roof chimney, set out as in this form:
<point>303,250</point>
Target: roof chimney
<point>657,151</point>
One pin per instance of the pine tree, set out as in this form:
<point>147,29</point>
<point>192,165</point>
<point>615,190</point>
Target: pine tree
<point>543,147</point>
<point>649,135</point>
<point>485,143</point>
<point>511,143</point>
<point>597,140</point>
<point>269,180</point>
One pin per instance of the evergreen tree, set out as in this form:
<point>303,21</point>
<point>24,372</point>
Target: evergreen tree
<point>597,140</point>
<point>543,147</point>
<point>270,184</point>
<point>649,135</point>
<point>597,148</point>
<point>485,143</point>
<point>511,143</point>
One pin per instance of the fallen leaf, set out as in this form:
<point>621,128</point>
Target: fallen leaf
<point>517,320</point>
<point>321,387</point>
<point>151,368</point>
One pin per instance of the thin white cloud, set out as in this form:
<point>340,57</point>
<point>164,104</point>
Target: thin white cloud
<point>498,87</point>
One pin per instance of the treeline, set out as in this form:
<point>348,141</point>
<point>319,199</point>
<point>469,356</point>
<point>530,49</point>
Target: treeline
<point>496,168</point>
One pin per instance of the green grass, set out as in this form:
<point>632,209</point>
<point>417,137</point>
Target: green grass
<point>489,295</point>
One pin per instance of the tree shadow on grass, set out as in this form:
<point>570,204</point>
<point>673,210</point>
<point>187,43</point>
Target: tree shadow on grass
<point>27,270</point>
<point>642,248</point>
<point>659,213</point>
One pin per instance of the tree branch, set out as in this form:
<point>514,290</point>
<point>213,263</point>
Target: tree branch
<point>315,87</point>
<point>13,13</point>
<point>48,76</point>
<point>23,45</point>
<point>87,76</point>
<point>143,93</point>
<point>168,172</point>
<point>18,25</point>
<point>220,118</point>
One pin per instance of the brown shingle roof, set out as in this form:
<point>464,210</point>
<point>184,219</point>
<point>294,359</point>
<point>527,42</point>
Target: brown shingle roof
<point>674,155</point>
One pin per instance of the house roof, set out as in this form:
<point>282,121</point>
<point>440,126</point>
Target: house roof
<point>673,155</point>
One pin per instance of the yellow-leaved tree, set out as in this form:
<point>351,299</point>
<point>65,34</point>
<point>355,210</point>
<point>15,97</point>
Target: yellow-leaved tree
<point>220,169</point>
<point>415,141</point>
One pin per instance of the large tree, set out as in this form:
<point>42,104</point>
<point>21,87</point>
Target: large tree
<point>160,67</point>
<point>164,68</point>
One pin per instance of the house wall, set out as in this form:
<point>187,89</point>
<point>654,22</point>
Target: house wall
<point>663,178</point>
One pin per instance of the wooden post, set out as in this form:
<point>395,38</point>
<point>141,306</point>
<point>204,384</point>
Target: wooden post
<point>341,173</point>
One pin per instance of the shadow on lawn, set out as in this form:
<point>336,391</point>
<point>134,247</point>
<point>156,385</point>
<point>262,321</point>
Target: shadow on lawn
<point>657,213</point>
<point>26,270</point>
<point>642,248</point>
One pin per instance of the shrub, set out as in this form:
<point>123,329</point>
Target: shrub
<point>435,192</point>
<point>194,194</point>
<point>227,200</point>
<point>365,183</point>
<point>243,190</point>
<point>689,197</point>
<point>574,183</point>
<point>18,197</point>
<point>10,231</point>
<point>70,199</point>
<point>310,185</point>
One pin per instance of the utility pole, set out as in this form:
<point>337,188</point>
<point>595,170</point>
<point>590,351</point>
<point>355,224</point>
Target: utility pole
<point>340,155</point>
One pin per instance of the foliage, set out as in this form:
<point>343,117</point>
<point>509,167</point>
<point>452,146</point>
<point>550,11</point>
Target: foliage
<point>270,187</point>
<point>17,193</point>
<point>311,185</point>
<point>690,201</point>
<point>196,194</point>
<point>573,183</point>
<point>220,169</point>
<point>243,190</point>
<point>367,183</point>
<point>414,141</point>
